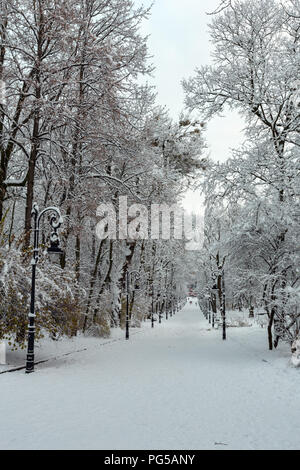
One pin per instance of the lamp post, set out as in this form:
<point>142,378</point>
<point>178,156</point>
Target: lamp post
<point>152,314</point>
<point>159,308</point>
<point>223,304</point>
<point>150,292</point>
<point>152,304</point>
<point>129,276</point>
<point>166,300</point>
<point>55,222</point>
<point>209,313</point>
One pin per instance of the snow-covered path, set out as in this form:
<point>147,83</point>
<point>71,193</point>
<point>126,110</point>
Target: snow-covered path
<point>178,386</point>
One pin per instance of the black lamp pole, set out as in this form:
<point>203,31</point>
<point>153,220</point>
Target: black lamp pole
<point>152,305</point>
<point>159,309</point>
<point>55,222</point>
<point>166,305</point>
<point>127,306</point>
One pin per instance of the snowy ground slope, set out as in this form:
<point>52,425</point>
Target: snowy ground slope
<point>47,348</point>
<point>177,387</point>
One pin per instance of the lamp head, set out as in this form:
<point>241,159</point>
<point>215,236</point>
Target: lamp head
<point>54,249</point>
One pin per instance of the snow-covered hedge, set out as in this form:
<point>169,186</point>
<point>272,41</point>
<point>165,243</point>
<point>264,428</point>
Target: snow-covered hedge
<point>238,319</point>
<point>58,298</point>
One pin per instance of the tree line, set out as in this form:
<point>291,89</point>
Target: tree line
<point>252,201</point>
<point>80,126</point>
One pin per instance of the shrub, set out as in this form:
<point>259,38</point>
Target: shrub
<point>58,298</point>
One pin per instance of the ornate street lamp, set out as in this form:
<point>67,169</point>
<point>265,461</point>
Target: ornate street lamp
<point>166,306</point>
<point>223,304</point>
<point>54,249</point>
<point>151,284</point>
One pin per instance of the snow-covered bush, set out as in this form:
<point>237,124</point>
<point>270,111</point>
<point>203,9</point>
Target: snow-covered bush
<point>58,298</point>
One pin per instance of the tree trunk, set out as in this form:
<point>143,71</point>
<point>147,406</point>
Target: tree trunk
<point>30,184</point>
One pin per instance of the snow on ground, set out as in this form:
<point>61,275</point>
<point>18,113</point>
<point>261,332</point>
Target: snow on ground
<point>47,348</point>
<point>178,386</point>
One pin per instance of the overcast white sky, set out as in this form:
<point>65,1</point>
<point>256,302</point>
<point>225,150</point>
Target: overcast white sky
<point>179,42</point>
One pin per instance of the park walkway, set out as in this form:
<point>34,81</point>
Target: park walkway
<point>178,386</point>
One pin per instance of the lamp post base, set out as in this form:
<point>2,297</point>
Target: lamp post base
<point>29,363</point>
